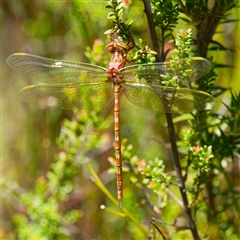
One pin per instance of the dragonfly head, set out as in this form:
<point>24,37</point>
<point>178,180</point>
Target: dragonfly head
<point>116,45</point>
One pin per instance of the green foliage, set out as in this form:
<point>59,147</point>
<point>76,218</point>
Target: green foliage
<point>94,53</point>
<point>181,52</point>
<point>201,157</point>
<point>165,14</point>
<point>143,54</point>
<point>165,17</point>
<point>196,9</point>
<point>230,139</point>
<point>183,44</point>
<point>44,215</point>
<point>119,26</point>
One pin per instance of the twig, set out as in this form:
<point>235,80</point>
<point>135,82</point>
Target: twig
<point>186,170</point>
<point>174,224</point>
<point>152,206</point>
<point>183,7</point>
<point>163,237</point>
<point>197,188</point>
<point>174,197</point>
<point>151,27</point>
<point>166,145</point>
<point>147,198</point>
<point>171,131</point>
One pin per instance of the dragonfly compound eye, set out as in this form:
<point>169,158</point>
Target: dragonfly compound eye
<point>114,46</point>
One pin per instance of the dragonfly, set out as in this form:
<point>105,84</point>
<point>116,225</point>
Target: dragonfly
<point>77,85</point>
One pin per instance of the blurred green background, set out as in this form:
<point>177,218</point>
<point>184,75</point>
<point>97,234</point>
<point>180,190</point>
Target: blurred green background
<point>62,30</point>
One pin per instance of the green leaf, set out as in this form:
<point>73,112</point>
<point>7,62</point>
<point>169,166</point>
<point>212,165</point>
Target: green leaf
<point>183,117</point>
<point>223,66</point>
<point>109,6</point>
<point>230,20</point>
<point>111,15</point>
<point>107,32</point>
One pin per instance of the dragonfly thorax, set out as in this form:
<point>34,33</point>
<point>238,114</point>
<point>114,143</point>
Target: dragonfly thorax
<point>117,61</point>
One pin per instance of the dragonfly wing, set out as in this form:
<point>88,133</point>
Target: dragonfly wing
<point>50,71</point>
<point>194,68</point>
<point>161,99</point>
<point>68,96</point>
<point>200,67</point>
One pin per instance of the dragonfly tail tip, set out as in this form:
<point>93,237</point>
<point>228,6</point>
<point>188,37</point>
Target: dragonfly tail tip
<point>120,204</point>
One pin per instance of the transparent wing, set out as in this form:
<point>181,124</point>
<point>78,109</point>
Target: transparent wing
<point>159,99</point>
<point>186,70</point>
<point>50,71</point>
<point>68,96</point>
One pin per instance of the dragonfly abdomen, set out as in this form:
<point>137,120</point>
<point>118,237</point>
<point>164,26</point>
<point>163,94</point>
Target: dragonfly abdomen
<point>117,142</point>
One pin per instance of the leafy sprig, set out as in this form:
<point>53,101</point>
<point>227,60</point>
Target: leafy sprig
<point>121,31</point>
<point>179,57</point>
<point>201,157</point>
<point>44,215</point>
<point>165,14</point>
<point>119,25</point>
<point>165,17</point>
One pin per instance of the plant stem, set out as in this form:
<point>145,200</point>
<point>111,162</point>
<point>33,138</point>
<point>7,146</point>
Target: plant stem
<point>100,185</point>
<point>153,33</point>
<point>171,131</point>
<point>180,178</point>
